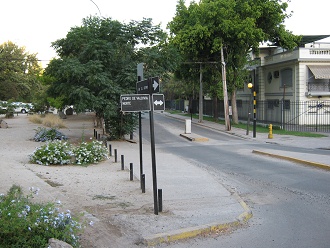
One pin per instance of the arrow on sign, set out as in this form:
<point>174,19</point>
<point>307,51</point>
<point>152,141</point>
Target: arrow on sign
<point>155,84</point>
<point>160,103</point>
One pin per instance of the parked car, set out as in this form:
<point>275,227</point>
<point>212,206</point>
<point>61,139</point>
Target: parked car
<point>3,105</point>
<point>20,107</point>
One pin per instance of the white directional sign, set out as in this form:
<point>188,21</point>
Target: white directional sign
<point>158,102</point>
<point>135,102</point>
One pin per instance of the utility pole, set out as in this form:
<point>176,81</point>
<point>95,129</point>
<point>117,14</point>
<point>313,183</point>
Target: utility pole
<point>225,95</point>
<point>200,94</point>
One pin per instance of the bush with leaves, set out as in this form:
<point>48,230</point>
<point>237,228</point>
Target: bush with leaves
<point>53,152</point>
<point>44,134</point>
<point>89,153</point>
<point>26,224</point>
<point>59,152</point>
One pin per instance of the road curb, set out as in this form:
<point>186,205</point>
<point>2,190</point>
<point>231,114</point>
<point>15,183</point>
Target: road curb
<point>192,232</point>
<point>300,161</point>
<point>194,137</point>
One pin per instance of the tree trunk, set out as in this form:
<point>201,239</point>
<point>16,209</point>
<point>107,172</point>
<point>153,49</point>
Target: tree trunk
<point>234,107</point>
<point>215,108</point>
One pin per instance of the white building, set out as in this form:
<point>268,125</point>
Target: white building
<point>299,75</point>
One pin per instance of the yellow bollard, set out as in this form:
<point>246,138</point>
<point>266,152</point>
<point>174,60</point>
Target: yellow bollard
<point>270,135</point>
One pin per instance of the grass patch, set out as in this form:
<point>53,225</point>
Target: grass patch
<point>48,120</point>
<point>103,197</point>
<point>259,128</point>
<point>35,119</point>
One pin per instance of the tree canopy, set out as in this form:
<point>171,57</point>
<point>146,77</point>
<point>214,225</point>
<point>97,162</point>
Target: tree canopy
<point>200,30</point>
<point>19,73</point>
<point>98,62</point>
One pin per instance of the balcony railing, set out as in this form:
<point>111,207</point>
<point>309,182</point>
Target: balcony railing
<point>300,53</point>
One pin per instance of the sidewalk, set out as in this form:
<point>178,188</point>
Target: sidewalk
<point>194,202</point>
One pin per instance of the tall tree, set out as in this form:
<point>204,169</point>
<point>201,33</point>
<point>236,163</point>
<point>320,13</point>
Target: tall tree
<point>19,73</point>
<point>201,29</point>
<point>98,63</point>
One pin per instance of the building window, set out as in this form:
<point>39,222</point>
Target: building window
<point>286,104</point>
<point>286,77</point>
<point>272,103</point>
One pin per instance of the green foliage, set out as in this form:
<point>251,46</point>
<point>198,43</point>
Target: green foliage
<point>59,152</point>
<point>90,153</point>
<point>55,152</point>
<point>98,62</point>
<point>202,29</point>
<point>44,134</point>
<point>19,73</point>
<point>26,224</point>
<point>123,123</point>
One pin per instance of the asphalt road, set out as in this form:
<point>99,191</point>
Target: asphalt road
<point>290,202</point>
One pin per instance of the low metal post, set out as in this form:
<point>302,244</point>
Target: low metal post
<point>143,183</point>
<point>160,200</point>
<point>131,171</point>
<point>95,135</point>
<point>110,150</point>
<point>122,162</point>
<point>115,155</point>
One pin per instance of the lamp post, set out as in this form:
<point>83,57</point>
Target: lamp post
<point>254,107</point>
<point>253,86</point>
<point>250,85</point>
<point>254,114</point>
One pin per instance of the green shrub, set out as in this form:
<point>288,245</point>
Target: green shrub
<point>61,153</point>
<point>53,152</point>
<point>44,134</point>
<point>89,153</point>
<point>26,224</point>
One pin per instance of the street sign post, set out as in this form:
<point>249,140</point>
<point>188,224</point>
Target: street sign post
<point>138,103</point>
<point>135,102</point>
<point>158,102</point>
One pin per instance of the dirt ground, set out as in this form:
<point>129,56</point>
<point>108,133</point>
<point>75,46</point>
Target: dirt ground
<point>101,194</point>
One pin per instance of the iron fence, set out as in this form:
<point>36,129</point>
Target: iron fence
<point>304,116</point>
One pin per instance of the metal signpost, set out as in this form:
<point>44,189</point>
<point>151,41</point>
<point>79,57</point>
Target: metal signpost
<point>145,100</point>
<point>140,78</point>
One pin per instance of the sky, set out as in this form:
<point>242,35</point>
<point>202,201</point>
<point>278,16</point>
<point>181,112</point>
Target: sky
<point>34,24</point>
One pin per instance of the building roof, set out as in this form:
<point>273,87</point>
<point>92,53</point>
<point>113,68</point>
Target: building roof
<point>311,38</point>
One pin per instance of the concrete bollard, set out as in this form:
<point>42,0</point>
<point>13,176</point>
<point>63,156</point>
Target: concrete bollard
<point>188,126</point>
